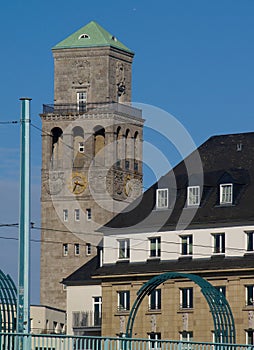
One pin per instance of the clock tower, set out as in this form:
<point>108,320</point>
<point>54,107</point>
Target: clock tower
<point>91,152</point>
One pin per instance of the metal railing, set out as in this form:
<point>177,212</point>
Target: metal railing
<point>14,341</point>
<point>70,108</point>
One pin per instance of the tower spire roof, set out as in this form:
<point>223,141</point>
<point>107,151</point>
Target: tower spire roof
<point>91,35</point>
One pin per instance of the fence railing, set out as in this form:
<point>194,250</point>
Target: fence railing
<point>14,341</point>
<point>88,107</point>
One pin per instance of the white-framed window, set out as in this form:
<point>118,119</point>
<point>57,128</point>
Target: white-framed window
<point>186,245</point>
<point>89,214</point>
<point>162,198</point>
<point>123,249</point>
<point>123,300</point>
<point>249,336</point>
<point>249,294</point>
<point>65,215</point>
<point>76,214</point>
<point>81,101</point>
<point>155,338</point>
<point>97,303</point>
<point>250,241</point>
<point>226,193</point>
<point>88,249</point>
<point>193,195</point>
<point>219,243</point>
<point>81,147</point>
<point>186,298</point>
<point>186,336</point>
<point>155,300</point>
<point>76,249</point>
<point>65,249</point>
<point>155,247</point>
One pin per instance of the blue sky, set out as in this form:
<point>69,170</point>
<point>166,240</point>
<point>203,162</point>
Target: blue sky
<point>193,59</point>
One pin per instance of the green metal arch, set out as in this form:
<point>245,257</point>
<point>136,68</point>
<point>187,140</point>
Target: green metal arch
<point>224,326</point>
<point>8,302</point>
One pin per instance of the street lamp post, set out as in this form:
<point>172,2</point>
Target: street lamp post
<point>23,307</point>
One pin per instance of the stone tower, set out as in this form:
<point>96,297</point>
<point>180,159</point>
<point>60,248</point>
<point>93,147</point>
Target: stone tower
<point>91,152</point>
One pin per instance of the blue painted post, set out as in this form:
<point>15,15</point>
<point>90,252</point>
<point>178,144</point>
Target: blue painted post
<point>23,302</point>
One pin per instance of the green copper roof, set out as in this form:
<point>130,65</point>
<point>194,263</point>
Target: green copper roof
<point>91,35</point>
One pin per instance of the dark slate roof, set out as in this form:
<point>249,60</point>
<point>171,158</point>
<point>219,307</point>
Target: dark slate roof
<point>225,159</point>
<point>215,265</point>
<point>82,276</point>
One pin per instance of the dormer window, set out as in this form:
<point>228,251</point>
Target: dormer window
<point>193,195</point>
<point>226,193</point>
<point>84,36</point>
<point>162,198</point>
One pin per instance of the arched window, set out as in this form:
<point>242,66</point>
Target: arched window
<point>78,147</point>
<point>128,151</point>
<point>136,151</point>
<point>99,143</point>
<point>118,146</point>
<point>57,147</point>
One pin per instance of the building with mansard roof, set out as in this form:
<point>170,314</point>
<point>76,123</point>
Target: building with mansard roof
<point>195,219</point>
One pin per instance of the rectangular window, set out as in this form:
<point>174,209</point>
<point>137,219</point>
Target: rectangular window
<point>249,295</point>
<point>81,147</point>
<point>219,243</point>
<point>81,101</point>
<point>76,249</point>
<point>193,195</point>
<point>250,337</point>
<point>88,249</point>
<point>186,336</point>
<point>123,300</point>
<point>162,198</point>
<point>135,166</point>
<point>124,249</point>
<point>186,298</point>
<point>65,215</point>
<point>155,247</point>
<point>249,236</point>
<point>226,194</point>
<point>65,249</point>
<point>155,300</point>
<point>127,164</point>
<point>89,214</point>
<point>221,289</point>
<point>155,343</point>
<point>187,245</point>
<point>97,302</point>
<point>76,215</point>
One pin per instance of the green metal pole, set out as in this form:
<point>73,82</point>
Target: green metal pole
<point>23,302</point>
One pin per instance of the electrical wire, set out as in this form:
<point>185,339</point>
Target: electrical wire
<point>118,237</point>
<point>9,122</point>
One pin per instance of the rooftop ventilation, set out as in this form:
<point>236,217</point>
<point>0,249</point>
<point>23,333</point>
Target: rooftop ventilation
<point>114,38</point>
<point>84,36</point>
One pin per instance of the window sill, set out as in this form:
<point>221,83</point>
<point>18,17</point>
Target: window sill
<point>185,257</point>
<point>218,256</point>
<point>153,311</point>
<point>248,308</point>
<point>123,261</point>
<point>184,310</point>
<point>155,258</point>
<point>122,312</point>
<point>251,252</point>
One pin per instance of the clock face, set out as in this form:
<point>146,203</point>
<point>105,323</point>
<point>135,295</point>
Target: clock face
<point>78,183</point>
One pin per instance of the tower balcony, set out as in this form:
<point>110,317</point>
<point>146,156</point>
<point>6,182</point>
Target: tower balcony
<point>86,108</point>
